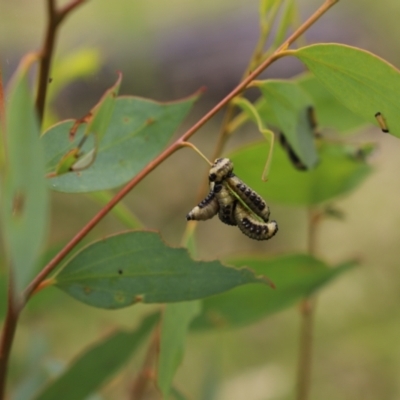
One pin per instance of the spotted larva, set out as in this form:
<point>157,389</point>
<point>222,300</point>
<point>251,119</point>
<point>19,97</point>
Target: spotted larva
<point>222,171</point>
<point>252,199</point>
<point>226,201</point>
<point>251,227</point>
<point>206,209</point>
<point>382,122</point>
<point>221,168</point>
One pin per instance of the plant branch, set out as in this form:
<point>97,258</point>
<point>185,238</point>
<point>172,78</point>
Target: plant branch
<point>55,17</point>
<point>7,337</point>
<point>147,373</point>
<point>307,311</point>
<point>171,149</point>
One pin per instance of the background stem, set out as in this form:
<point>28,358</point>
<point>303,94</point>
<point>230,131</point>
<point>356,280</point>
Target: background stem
<point>307,311</point>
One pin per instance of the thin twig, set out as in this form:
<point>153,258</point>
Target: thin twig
<point>54,17</point>
<point>147,373</point>
<point>10,325</point>
<point>307,312</point>
<point>171,149</point>
<point>305,356</point>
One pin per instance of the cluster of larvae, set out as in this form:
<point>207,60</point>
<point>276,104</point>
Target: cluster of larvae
<point>235,203</point>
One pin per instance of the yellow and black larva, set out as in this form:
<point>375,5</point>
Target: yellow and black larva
<point>226,202</point>
<point>294,159</point>
<point>224,187</point>
<point>206,209</point>
<point>382,122</point>
<point>252,199</point>
<point>251,227</point>
<point>222,170</point>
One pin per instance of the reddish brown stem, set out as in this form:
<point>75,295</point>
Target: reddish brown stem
<point>147,373</point>
<point>306,346</point>
<point>7,338</point>
<point>55,17</point>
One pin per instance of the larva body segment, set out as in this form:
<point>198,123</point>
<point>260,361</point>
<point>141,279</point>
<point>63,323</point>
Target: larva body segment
<point>253,228</point>
<point>206,209</point>
<point>221,168</point>
<point>252,199</point>
<point>227,203</point>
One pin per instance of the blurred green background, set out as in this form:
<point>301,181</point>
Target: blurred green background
<point>167,50</point>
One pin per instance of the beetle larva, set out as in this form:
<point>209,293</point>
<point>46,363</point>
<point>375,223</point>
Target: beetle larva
<point>294,159</point>
<point>253,228</point>
<point>227,202</point>
<point>382,122</point>
<point>206,209</point>
<point>252,199</point>
<point>221,168</point>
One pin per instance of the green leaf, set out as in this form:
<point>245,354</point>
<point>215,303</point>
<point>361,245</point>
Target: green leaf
<point>138,266</point>
<point>330,112</point>
<point>289,13</point>
<point>295,276</point>
<point>98,363</point>
<point>101,113</point>
<point>175,325</point>
<point>290,106</point>
<point>96,123</point>
<point>138,131</point>
<point>360,80</point>
<point>24,202</point>
<point>337,174</point>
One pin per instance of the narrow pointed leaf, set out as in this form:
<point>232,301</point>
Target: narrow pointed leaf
<point>360,80</point>
<point>138,266</point>
<point>97,364</point>
<point>175,325</point>
<point>138,131</point>
<point>295,276</point>
<point>290,105</point>
<point>337,173</point>
<point>24,202</point>
<point>102,112</point>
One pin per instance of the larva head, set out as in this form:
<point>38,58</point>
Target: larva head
<point>221,168</point>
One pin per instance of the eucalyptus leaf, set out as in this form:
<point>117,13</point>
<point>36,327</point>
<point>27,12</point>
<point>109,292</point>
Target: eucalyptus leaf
<point>24,196</point>
<point>175,325</point>
<point>330,112</point>
<point>336,174</point>
<point>138,131</point>
<point>97,364</point>
<point>138,266</point>
<point>296,276</point>
<point>360,80</point>
<point>291,107</point>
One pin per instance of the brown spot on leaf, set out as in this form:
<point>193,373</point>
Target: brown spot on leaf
<point>138,298</point>
<point>150,121</point>
<point>87,290</point>
<point>18,204</point>
<point>119,297</point>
